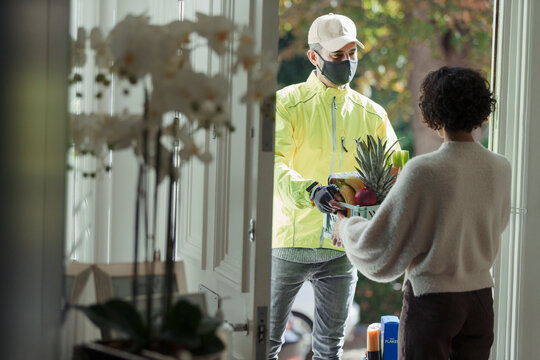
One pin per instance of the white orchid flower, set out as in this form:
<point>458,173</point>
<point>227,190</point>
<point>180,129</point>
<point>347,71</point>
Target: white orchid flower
<point>262,84</point>
<point>210,102</point>
<point>245,52</point>
<point>216,29</point>
<point>206,103</point>
<point>79,130</point>
<point>180,31</point>
<point>187,152</point>
<point>165,49</point>
<point>139,48</point>
<point>135,49</point>
<point>207,110</point>
<point>189,148</point>
<point>215,88</point>
<point>96,133</point>
<point>99,45</point>
<point>78,49</point>
<point>84,131</point>
<point>182,135</point>
<point>120,131</point>
<point>177,93</point>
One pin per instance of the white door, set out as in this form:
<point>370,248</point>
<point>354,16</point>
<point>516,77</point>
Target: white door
<point>224,207</point>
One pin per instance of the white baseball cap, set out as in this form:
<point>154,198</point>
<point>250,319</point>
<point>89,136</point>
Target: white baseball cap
<point>333,32</point>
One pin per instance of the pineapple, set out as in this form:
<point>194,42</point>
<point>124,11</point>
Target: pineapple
<point>375,166</point>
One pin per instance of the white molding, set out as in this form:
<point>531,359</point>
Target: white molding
<point>229,269</point>
<point>188,247</point>
<point>227,263</point>
<point>222,166</point>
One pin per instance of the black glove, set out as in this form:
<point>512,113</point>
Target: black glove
<point>321,196</point>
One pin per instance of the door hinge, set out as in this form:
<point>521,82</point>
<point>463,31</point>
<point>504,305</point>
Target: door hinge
<point>251,230</point>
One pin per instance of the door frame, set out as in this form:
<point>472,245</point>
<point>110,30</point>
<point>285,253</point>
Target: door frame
<point>516,50</point>
<point>33,144</point>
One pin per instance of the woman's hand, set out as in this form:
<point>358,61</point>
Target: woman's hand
<point>335,203</point>
<point>337,207</point>
<point>336,241</point>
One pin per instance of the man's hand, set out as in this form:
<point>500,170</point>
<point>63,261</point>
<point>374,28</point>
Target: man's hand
<point>324,198</point>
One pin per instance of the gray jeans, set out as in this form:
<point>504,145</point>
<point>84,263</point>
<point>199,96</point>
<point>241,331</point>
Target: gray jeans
<point>334,283</point>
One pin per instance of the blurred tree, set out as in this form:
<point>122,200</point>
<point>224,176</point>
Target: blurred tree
<point>376,299</point>
<point>404,40</point>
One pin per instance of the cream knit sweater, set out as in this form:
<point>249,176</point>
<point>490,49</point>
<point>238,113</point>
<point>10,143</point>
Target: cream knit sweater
<point>440,224</point>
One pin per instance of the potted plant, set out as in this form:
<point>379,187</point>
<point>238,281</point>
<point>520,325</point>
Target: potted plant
<point>183,330</point>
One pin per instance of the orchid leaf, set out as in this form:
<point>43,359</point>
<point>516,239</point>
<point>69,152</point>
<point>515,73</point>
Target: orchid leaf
<point>183,319</point>
<point>117,315</point>
<point>186,324</point>
<point>210,344</point>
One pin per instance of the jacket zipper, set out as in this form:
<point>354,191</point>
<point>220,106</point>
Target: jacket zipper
<point>334,145</point>
<point>334,148</point>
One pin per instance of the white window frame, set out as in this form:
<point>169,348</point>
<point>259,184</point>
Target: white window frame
<point>515,82</point>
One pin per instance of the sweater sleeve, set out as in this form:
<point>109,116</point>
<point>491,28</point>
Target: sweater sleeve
<point>382,248</point>
<point>289,184</point>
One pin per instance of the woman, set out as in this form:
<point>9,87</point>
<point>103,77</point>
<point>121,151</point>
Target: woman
<point>441,224</point>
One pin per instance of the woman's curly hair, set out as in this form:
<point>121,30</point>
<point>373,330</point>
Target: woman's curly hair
<point>455,99</point>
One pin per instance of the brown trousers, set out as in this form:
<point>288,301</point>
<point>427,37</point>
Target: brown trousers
<point>442,326</point>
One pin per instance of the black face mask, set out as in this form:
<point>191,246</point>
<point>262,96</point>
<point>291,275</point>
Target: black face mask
<point>339,73</point>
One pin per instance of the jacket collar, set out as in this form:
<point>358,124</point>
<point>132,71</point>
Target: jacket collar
<point>327,92</point>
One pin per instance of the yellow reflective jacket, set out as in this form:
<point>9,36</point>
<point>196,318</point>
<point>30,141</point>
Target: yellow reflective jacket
<point>315,131</point>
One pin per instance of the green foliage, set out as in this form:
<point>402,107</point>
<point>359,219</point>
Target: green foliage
<point>389,30</point>
<point>377,299</point>
<point>405,135</point>
<point>292,69</point>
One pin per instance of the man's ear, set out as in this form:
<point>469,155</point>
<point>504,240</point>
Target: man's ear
<point>312,56</point>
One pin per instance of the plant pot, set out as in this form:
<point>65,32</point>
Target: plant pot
<point>101,351</point>
<point>97,351</point>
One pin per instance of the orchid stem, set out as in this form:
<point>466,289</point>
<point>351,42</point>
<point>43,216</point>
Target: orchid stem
<point>149,261</point>
<point>169,257</point>
<point>136,250</point>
